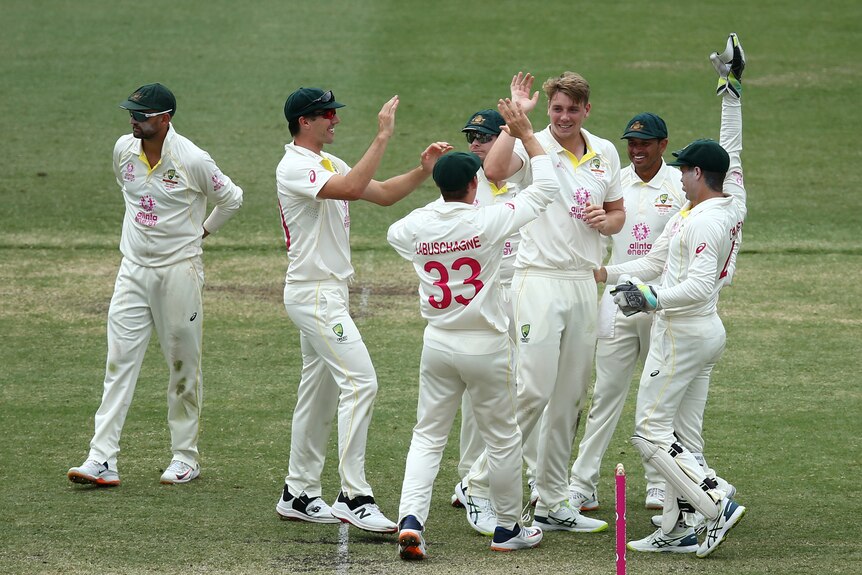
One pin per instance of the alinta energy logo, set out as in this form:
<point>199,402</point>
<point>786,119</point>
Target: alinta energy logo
<point>147,216</point>
<point>338,330</point>
<point>639,247</point>
<point>525,333</point>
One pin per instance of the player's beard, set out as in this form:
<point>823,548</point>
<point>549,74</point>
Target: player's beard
<point>144,131</point>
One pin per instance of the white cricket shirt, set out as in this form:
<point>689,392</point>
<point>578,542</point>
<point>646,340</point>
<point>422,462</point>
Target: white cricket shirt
<point>692,254</point>
<point>649,206</point>
<point>166,203</point>
<point>316,232</point>
<point>456,251</point>
<point>560,239</point>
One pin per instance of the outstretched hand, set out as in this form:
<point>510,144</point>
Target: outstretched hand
<point>520,90</point>
<point>386,118</point>
<point>432,153</point>
<point>517,123</point>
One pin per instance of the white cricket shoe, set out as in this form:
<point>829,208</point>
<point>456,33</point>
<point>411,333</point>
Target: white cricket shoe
<point>303,508</point>
<point>94,473</point>
<point>517,538</point>
<point>459,497</point>
<point>677,541</point>
<point>718,528</point>
<point>729,65</point>
<point>654,498</point>
<point>481,516</point>
<point>411,544</point>
<point>180,472</point>
<point>566,518</point>
<point>362,512</point>
<point>534,492</point>
<point>583,502</point>
<point>727,487</point>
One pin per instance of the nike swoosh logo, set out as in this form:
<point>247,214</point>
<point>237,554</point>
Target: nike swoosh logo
<point>183,475</point>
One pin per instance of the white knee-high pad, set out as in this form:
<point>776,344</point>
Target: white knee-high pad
<point>670,511</point>
<point>686,486</point>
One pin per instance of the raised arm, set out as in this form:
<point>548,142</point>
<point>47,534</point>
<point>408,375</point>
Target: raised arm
<point>500,162</point>
<point>395,188</point>
<point>354,184</point>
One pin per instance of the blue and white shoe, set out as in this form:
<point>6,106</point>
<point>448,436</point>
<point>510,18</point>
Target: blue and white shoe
<point>680,541</point>
<point>481,516</point>
<point>517,538</point>
<point>566,518</point>
<point>411,544</point>
<point>718,528</point>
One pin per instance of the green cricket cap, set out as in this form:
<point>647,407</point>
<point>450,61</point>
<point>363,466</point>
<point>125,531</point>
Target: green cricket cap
<point>307,100</point>
<point>708,155</point>
<point>485,121</point>
<point>453,171</point>
<point>646,126</point>
<point>154,97</point>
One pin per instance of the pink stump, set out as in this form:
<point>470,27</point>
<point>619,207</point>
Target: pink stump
<point>621,518</point>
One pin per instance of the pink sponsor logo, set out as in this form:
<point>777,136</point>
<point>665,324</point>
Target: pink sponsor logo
<point>218,182</point>
<point>129,172</point>
<point>146,217</point>
<point>641,231</point>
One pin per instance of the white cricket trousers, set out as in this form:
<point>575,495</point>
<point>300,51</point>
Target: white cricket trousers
<point>616,359</point>
<point>470,443</point>
<point>337,378</point>
<point>556,320</point>
<point>480,363</point>
<point>169,298</point>
<point>675,382</point>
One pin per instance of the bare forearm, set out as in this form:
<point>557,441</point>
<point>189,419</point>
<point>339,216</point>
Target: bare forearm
<point>615,221</point>
<point>398,187</point>
<point>499,158</point>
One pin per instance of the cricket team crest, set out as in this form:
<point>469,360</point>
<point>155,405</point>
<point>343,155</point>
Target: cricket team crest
<point>525,333</point>
<point>170,179</point>
<point>596,169</point>
<point>663,204</point>
<point>338,330</point>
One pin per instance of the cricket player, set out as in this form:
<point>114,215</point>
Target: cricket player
<point>555,292</point>
<point>166,182</point>
<point>456,250</point>
<point>481,131</point>
<point>315,189</point>
<point>652,193</point>
<point>693,255</point>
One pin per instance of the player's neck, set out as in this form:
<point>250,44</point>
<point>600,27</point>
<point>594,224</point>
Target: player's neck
<point>153,149</point>
<point>706,194</point>
<point>646,176</point>
<point>304,141</point>
<point>575,144</point>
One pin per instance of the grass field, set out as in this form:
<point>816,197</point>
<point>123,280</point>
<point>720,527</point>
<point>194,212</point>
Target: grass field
<point>783,422</point>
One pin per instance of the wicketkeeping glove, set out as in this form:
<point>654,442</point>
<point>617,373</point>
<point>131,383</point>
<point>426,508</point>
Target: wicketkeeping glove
<point>635,296</point>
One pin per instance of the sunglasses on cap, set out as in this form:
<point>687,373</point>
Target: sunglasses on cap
<point>324,98</point>
<point>144,116</point>
<point>480,137</point>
